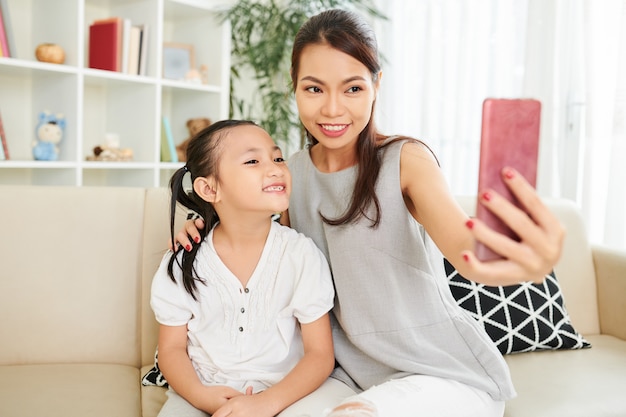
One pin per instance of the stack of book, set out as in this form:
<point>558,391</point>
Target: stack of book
<point>115,44</point>
<point>7,43</point>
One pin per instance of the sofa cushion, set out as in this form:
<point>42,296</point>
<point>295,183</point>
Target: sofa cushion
<point>70,390</point>
<point>518,318</point>
<point>69,275</point>
<point>572,383</point>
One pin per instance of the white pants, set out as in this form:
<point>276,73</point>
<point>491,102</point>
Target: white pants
<point>177,406</point>
<point>412,396</point>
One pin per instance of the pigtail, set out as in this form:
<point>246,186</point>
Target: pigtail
<point>180,196</point>
<point>202,158</point>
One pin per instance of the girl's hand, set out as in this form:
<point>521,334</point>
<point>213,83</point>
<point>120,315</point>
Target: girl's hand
<point>246,405</point>
<point>189,231</point>
<point>541,235</point>
<point>215,397</point>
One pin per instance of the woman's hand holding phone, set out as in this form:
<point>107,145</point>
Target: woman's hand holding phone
<point>515,233</point>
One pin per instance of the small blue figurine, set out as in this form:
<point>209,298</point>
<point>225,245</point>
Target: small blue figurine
<point>49,133</point>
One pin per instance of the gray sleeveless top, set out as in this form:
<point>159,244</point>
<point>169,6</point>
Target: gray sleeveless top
<point>394,314</point>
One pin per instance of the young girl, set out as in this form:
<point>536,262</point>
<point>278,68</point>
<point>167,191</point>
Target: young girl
<point>381,211</point>
<point>244,328</point>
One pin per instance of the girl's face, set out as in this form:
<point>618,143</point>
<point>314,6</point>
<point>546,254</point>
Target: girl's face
<point>253,174</point>
<point>334,94</point>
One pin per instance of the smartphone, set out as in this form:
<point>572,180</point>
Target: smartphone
<point>509,137</point>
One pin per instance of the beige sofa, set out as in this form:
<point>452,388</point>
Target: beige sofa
<point>77,332</point>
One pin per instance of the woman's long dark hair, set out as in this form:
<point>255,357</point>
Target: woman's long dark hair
<point>203,155</point>
<point>348,33</point>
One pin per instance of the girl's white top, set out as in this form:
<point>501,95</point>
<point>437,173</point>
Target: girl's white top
<point>249,336</point>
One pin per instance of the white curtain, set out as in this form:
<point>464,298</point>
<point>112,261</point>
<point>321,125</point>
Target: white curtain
<point>444,57</point>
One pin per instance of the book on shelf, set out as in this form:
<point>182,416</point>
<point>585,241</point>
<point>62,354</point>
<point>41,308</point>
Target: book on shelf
<point>4,149</point>
<point>134,43</point>
<point>168,147</point>
<point>143,50</point>
<point>7,40</point>
<point>126,25</point>
<point>105,44</point>
<point>4,46</point>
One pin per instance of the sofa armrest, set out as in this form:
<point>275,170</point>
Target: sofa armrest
<point>610,267</point>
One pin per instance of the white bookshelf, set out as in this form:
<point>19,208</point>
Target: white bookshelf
<point>96,102</point>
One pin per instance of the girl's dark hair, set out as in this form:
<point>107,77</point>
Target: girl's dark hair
<point>349,33</point>
<point>203,154</point>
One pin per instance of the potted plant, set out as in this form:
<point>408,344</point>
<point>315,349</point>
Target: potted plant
<point>262,38</point>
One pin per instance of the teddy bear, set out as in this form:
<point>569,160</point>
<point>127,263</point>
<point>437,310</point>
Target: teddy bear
<point>194,126</point>
<point>49,133</point>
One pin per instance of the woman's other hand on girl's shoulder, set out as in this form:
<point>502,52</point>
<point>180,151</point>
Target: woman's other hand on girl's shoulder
<point>190,230</point>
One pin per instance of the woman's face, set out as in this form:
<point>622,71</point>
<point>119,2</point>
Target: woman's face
<point>334,94</point>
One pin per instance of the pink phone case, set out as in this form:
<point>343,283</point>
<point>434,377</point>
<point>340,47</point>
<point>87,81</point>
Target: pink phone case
<point>510,137</point>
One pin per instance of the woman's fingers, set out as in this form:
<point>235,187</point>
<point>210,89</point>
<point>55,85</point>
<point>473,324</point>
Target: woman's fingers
<point>540,232</point>
<point>189,232</point>
<point>547,235</point>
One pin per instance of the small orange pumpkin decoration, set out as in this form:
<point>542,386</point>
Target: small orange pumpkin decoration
<point>50,52</point>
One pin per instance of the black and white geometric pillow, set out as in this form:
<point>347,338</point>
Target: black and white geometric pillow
<point>518,318</point>
<point>154,375</point>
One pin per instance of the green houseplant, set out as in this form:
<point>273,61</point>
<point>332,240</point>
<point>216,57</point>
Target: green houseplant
<point>262,38</point>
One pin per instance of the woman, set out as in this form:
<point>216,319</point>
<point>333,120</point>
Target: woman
<point>381,211</point>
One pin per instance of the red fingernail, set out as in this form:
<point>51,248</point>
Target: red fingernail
<point>486,196</point>
<point>469,224</point>
<point>466,257</point>
<point>509,173</point>
<point>188,248</point>
<point>197,239</point>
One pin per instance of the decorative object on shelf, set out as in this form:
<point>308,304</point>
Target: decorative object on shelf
<point>49,133</point>
<point>262,38</point>
<point>204,74</point>
<point>193,76</point>
<point>50,52</point>
<point>178,60</point>
<point>110,150</point>
<point>194,126</point>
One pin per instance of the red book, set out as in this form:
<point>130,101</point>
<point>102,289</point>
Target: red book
<point>105,44</point>
<point>509,137</point>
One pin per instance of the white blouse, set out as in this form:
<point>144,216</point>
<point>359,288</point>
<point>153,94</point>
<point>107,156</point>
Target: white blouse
<point>250,336</point>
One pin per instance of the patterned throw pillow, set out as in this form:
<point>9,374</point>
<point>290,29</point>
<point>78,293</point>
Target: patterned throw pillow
<point>518,318</point>
<point>154,375</point>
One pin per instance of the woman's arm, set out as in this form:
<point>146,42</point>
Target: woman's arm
<point>310,372</point>
<point>177,369</point>
<point>431,203</point>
